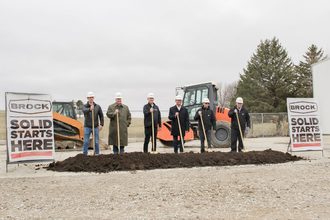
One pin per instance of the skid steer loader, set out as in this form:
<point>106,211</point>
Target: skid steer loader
<point>68,131</point>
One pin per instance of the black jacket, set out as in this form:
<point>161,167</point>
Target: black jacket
<point>147,116</point>
<point>98,114</point>
<point>184,120</point>
<point>208,119</point>
<point>244,118</point>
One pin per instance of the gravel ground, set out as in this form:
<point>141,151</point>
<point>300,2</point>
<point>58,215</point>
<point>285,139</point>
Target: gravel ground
<point>298,190</point>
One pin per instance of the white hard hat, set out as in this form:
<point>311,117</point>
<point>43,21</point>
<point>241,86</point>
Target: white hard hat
<point>239,100</point>
<point>206,100</point>
<point>90,94</point>
<point>119,95</point>
<point>150,95</point>
<point>178,97</point>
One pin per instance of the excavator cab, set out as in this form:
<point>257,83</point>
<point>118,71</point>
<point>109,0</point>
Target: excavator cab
<point>194,95</point>
<point>66,125</point>
<point>192,100</point>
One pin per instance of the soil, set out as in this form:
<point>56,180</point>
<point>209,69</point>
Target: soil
<point>142,161</point>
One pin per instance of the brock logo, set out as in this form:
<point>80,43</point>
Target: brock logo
<point>303,107</point>
<point>30,106</point>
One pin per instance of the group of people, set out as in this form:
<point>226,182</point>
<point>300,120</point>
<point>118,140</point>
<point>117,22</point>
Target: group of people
<point>120,119</point>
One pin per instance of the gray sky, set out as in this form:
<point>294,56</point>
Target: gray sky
<point>67,48</point>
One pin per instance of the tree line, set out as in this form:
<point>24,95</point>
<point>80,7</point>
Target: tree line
<point>269,78</point>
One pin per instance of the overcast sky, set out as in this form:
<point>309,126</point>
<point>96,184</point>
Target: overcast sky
<point>67,48</point>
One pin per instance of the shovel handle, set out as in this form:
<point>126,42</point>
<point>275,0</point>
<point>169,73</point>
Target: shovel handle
<point>180,130</point>
<point>240,131</point>
<point>118,131</point>
<point>93,133</point>
<point>153,131</point>
<point>203,127</point>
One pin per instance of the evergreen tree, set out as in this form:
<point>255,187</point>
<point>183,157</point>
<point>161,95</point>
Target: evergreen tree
<point>304,71</point>
<point>268,79</point>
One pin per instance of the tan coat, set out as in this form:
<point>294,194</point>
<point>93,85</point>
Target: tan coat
<point>124,123</point>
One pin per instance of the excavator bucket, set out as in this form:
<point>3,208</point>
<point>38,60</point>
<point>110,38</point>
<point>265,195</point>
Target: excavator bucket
<point>66,125</point>
<point>165,137</point>
<point>221,114</point>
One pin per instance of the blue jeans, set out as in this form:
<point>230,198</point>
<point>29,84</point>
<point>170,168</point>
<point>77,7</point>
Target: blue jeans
<point>87,134</point>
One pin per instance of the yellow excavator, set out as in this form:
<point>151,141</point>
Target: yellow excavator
<point>66,125</point>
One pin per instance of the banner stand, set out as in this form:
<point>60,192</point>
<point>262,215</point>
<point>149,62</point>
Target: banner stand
<point>27,162</point>
<point>289,149</point>
<point>304,125</point>
<point>30,131</point>
<point>6,120</point>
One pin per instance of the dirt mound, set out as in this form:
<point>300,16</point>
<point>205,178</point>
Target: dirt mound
<point>142,161</point>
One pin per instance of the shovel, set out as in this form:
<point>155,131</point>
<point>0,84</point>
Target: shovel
<point>180,130</point>
<point>205,138</point>
<point>93,133</point>
<point>118,131</point>
<point>153,150</point>
<point>240,131</point>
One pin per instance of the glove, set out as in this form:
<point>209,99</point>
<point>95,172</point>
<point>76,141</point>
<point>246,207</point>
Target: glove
<point>246,130</point>
<point>235,110</point>
<point>200,112</point>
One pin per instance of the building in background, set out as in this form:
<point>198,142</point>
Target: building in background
<point>321,90</point>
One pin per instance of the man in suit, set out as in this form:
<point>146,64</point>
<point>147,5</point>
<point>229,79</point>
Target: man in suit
<point>175,112</point>
<point>148,109</point>
<point>244,119</point>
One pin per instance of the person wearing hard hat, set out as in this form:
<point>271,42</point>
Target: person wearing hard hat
<point>88,108</point>
<point>124,118</point>
<point>206,114</point>
<point>148,109</point>
<point>178,111</point>
<point>244,119</point>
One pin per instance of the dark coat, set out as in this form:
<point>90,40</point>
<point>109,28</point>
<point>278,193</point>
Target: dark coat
<point>147,116</point>
<point>184,120</point>
<point>98,115</point>
<point>208,119</point>
<point>244,118</point>
<point>124,123</point>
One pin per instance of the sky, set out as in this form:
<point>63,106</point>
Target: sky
<point>67,48</point>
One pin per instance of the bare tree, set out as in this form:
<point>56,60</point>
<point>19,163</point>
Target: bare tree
<point>226,93</point>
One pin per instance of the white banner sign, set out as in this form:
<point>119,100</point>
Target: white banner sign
<point>304,124</point>
<point>30,133</point>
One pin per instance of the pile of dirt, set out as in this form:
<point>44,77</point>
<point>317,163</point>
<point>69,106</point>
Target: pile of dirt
<point>142,161</point>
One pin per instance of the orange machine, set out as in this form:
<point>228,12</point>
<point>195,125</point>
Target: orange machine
<point>192,100</point>
<point>66,125</point>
